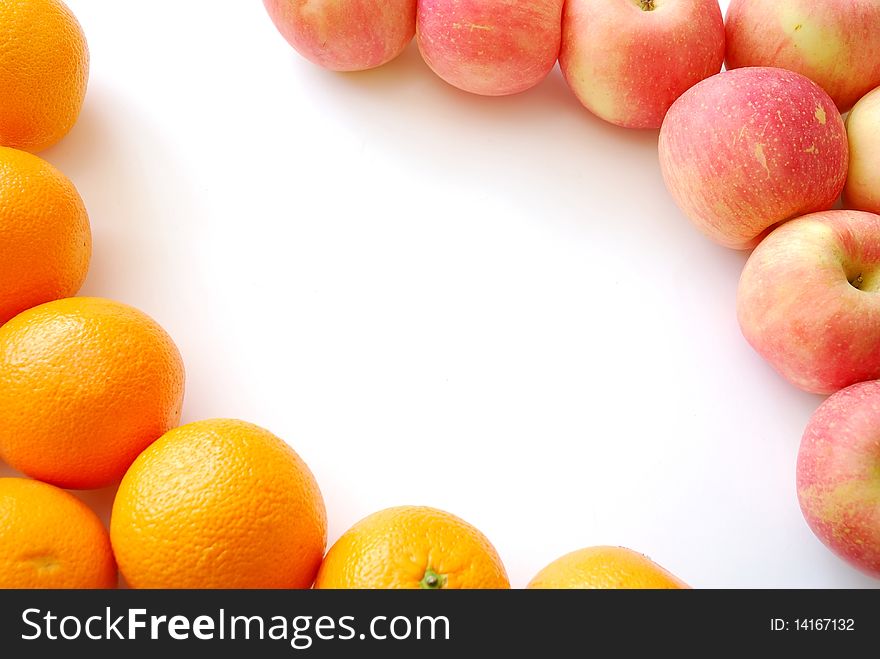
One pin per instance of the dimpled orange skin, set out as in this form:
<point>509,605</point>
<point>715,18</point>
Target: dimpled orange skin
<point>51,539</point>
<point>219,504</point>
<point>605,568</point>
<point>85,385</point>
<point>44,71</point>
<point>45,239</point>
<point>412,547</point>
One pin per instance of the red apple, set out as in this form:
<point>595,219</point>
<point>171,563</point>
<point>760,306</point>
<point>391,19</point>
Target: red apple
<point>838,475</point>
<point>809,300</point>
<point>833,42</point>
<point>345,35</point>
<point>490,47</point>
<point>628,60</point>
<point>747,149</point>
<point>863,183</point>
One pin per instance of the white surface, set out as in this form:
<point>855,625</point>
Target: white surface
<point>491,306</point>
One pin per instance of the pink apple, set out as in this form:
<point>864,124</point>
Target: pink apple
<point>490,47</point>
<point>809,300</point>
<point>628,60</point>
<point>833,42</point>
<point>863,183</point>
<point>838,475</point>
<point>345,35</point>
<point>747,149</point>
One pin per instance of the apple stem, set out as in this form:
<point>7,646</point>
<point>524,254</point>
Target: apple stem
<point>647,5</point>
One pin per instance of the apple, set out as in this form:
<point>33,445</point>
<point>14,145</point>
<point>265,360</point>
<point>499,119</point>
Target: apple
<point>836,43</point>
<point>838,475</point>
<point>809,300</point>
<point>349,35</point>
<point>747,149</point>
<point>628,60</point>
<point>490,47</point>
<point>862,189</point>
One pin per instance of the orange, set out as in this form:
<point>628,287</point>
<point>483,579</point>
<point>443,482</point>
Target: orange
<point>219,504</point>
<point>85,385</point>
<point>51,539</point>
<point>44,70</point>
<point>45,241</point>
<point>605,568</point>
<point>412,547</point>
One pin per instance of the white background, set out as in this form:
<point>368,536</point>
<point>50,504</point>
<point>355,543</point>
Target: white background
<point>490,306</point>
